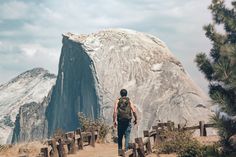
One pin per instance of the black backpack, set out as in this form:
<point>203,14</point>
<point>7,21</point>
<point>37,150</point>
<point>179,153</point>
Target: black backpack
<point>124,109</point>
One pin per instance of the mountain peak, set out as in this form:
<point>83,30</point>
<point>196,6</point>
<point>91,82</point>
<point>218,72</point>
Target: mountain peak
<point>33,73</point>
<point>30,86</point>
<point>114,33</point>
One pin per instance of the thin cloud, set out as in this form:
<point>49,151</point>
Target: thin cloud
<point>31,30</point>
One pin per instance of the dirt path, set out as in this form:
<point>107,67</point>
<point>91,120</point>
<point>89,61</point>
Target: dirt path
<point>100,150</point>
<point>110,150</point>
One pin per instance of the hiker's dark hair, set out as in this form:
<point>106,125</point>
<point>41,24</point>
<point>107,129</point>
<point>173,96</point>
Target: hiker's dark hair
<point>123,92</point>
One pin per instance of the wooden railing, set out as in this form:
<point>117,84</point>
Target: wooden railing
<point>140,148</point>
<point>70,139</point>
<point>202,127</point>
<point>143,146</point>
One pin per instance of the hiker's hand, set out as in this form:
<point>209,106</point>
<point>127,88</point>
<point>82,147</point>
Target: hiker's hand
<point>115,124</point>
<point>135,122</point>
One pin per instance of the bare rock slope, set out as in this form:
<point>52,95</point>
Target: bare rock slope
<point>30,86</point>
<point>93,68</point>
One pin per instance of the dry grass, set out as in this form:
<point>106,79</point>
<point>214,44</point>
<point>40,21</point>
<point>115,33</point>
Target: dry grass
<point>208,140</point>
<point>32,149</point>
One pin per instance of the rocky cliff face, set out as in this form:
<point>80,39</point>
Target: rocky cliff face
<point>75,90</point>
<point>93,68</point>
<point>17,96</point>
<point>31,123</point>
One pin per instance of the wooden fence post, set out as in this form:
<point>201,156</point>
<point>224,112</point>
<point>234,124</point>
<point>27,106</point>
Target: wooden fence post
<point>202,128</point>
<point>179,127</point>
<point>157,138</point>
<point>60,148</point>
<point>44,152</point>
<point>71,145</point>
<point>80,139</point>
<point>133,146</point>
<point>169,125</point>
<point>97,129</point>
<point>161,125</point>
<point>140,149</point>
<point>54,151</point>
<point>146,134</point>
<point>92,139</point>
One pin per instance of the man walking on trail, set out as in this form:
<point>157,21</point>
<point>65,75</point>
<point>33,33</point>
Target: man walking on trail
<point>122,116</point>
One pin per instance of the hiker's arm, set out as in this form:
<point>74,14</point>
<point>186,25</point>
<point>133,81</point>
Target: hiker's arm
<point>115,113</point>
<point>133,111</point>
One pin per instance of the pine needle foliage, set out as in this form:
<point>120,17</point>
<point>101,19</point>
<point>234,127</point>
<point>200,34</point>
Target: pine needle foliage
<point>219,68</point>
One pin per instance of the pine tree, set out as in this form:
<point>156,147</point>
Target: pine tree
<point>219,68</point>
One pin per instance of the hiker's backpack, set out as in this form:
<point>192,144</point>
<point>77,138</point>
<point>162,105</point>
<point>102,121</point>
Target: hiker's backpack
<point>124,109</point>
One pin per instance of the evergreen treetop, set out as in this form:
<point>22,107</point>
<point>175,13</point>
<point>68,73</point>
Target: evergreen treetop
<point>219,67</point>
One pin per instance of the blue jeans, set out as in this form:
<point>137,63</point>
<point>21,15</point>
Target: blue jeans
<point>124,129</point>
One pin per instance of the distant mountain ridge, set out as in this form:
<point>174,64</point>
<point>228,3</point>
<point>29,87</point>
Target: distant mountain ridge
<point>30,86</point>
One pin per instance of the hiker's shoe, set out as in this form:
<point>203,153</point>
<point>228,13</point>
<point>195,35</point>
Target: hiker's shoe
<point>120,152</point>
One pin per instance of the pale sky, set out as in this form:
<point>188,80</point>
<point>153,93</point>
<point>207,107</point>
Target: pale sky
<point>30,30</point>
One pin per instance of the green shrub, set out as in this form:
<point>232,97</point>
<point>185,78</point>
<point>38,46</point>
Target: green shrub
<point>58,134</point>
<point>212,150</point>
<point>190,148</point>
<point>168,147</point>
<point>100,123</point>
<point>184,145</point>
<point>174,140</point>
<point>103,128</point>
<point>85,122</point>
<point>181,143</point>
